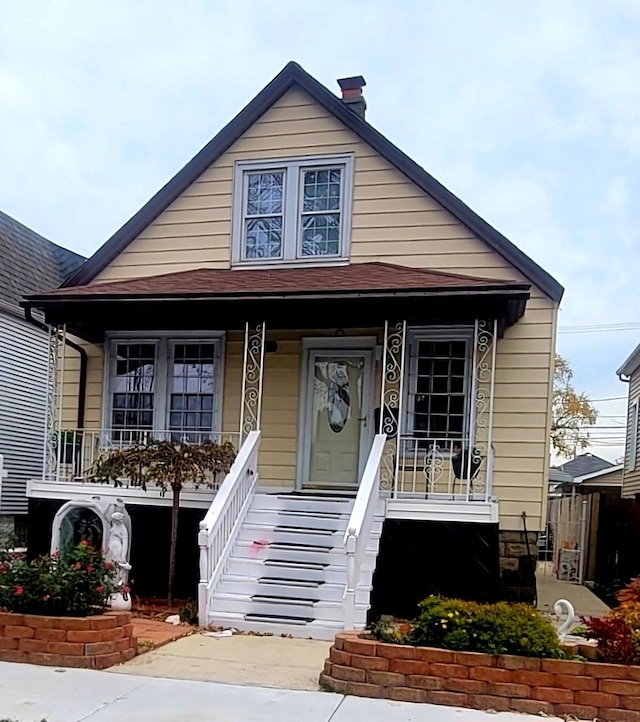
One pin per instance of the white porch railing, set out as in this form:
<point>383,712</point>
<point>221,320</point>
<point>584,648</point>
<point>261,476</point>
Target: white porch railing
<point>442,469</point>
<point>73,452</point>
<point>221,524</point>
<point>360,526</point>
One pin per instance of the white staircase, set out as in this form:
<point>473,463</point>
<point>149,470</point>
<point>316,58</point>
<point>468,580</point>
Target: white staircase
<point>287,571</point>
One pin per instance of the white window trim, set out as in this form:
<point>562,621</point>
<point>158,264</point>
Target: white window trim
<point>443,333</point>
<point>292,212</point>
<point>163,342</point>
<point>631,454</point>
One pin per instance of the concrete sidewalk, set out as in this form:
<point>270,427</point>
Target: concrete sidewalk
<point>29,694</point>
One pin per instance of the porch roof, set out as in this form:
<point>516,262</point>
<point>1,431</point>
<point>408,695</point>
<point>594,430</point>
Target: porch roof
<point>373,290</point>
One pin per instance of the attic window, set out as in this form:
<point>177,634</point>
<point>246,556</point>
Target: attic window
<point>298,210</point>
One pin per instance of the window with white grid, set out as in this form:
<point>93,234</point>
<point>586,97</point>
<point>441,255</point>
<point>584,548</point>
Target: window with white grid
<point>438,388</point>
<point>164,386</point>
<point>296,210</point>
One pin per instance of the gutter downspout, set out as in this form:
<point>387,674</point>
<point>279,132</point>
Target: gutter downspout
<point>82,382</point>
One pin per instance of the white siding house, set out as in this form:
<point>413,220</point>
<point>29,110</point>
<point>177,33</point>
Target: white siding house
<point>28,263</point>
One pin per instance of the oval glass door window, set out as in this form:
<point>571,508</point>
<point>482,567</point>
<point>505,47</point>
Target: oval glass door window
<point>338,396</point>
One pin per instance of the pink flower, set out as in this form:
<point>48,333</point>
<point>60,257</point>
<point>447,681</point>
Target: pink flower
<point>108,566</point>
<point>3,568</point>
<point>77,565</point>
<point>84,543</point>
<point>89,568</point>
<point>126,589</point>
<point>100,589</point>
<point>45,598</point>
<point>19,590</point>
<point>56,553</point>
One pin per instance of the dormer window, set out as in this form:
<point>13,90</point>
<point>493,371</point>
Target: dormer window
<point>293,211</point>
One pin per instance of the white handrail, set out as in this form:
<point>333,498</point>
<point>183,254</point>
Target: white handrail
<point>360,525</point>
<point>220,526</point>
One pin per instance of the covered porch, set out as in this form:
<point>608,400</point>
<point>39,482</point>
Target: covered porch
<point>323,362</point>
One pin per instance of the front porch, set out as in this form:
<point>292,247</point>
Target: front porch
<point>318,398</point>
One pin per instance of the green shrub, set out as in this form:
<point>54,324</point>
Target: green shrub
<point>75,585</point>
<point>491,628</point>
<point>189,613</point>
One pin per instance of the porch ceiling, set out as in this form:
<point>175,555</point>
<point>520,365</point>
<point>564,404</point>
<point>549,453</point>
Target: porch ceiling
<point>350,296</point>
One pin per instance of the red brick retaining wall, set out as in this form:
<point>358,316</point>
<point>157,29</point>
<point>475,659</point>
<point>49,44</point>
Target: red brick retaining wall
<point>587,690</point>
<point>91,642</point>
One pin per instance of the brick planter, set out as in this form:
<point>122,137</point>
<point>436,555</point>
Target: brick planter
<point>90,642</point>
<point>368,668</point>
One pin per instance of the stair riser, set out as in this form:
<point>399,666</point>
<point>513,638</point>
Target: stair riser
<point>255,570</point>
<point>317,611</point>
<point>322,593</point>
<point>268,534</point>
<point>314,630</point>
<point>304,521</point>
<point>301,504</point>
<point>335,557</point>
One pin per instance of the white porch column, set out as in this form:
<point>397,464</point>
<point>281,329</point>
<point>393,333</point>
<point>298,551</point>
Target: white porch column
<point>482,395</point>
<point>252,375</point>
<point>391,401</point>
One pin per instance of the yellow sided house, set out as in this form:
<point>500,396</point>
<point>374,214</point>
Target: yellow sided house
<point>380,357</point>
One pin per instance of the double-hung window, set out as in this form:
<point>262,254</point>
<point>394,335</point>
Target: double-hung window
<point>163,387</point>
<point>297,210</point>
<point>438,392</point>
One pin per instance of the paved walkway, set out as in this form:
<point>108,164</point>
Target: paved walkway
<point>29,694</point>
<point>584,600</point>
<point>241,659</point>
<point>152,633</point>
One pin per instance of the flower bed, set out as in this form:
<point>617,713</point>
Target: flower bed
<point>369,668</point>
<point>93,642</point>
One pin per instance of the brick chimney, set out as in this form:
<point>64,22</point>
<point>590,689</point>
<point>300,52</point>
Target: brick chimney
<point>352,93</point>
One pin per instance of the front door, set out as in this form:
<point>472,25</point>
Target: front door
<point>337,417</point>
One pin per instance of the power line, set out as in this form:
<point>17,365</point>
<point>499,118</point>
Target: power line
<point>601,327</point>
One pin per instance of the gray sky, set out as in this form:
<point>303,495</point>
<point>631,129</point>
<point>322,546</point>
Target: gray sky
<point>529,111</point>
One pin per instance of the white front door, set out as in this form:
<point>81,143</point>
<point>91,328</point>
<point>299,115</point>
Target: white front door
<point>337,417</point>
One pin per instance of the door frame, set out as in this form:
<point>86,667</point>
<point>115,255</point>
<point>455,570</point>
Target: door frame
<point>332,344</point>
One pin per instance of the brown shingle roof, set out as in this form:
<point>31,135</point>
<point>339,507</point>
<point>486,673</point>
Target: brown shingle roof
<point>360,277</point>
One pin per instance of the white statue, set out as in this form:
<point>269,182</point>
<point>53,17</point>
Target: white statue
<point>564,606</point>
<point>118,548</point>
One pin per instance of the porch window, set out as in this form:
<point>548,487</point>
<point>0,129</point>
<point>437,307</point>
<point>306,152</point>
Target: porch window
<point>133,381</point>
<point>166,387</point>
<point>438,387</point>
<point>191,389</point>
<point>297,210</point>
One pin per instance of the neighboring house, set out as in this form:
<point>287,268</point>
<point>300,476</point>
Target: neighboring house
<point>381,357</point>
<point>28,263</point>
<point>629,372</point>
<point>588,530</point>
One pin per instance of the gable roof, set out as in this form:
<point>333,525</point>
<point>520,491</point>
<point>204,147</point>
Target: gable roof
<point>584,465</point>
<point>362,278</point>
<point>293,75</point>
<point>30,263</point>
<point>631,364</point>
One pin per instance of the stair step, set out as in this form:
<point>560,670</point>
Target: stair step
<point>264,535</point>
<point>316,566</point>
<point>286,581</point>
<point>275,619</point>
<point>301,504</point>
<point>298,520</point>
<point>296,601</point>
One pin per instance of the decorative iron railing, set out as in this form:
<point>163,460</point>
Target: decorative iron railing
<point>442,469</point>
<point>73,452</point>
